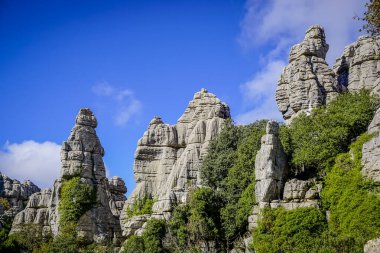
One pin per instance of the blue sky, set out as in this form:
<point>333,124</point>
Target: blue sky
<point>131,60</point>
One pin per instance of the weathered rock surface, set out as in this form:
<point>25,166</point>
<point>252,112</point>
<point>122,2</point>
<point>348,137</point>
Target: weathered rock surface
<point>371,151</point>
<point>372,246</point>
<point>270,166</point>
<point>168,157</point>
<point>359,66</point>
<point>117,190</point>
<point>16,194</point>
<point>81,156</point>
<point>307,82</point>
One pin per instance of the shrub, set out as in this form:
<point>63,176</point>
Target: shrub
<point>295,231</point>
<point>141,206</point>
<point>150,241</point>
<point>312,142</point>
<point>353,201</point>
<point>76,198</point>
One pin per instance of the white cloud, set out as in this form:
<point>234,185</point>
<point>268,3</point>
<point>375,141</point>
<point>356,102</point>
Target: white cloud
<point>259,92</point>
<point>274,26</point>
<point>289,19</point>
<point>123,100</point>
<point>39,162</point>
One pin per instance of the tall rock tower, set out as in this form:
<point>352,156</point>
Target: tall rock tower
<point>82,169</point>
<point>307,82</point>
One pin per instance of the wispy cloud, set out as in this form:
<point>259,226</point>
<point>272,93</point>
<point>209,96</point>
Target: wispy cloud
<point>259,93</point>
<point>39,162</point>
<point>274,26</point>
<point>123,102</point>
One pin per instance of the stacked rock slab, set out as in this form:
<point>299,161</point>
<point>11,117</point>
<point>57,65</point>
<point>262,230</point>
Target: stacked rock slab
<point>359,66</point>
<point>16,194</point>
<point>270,166</point>
<point>168,157</point>
<point>307,82</point>
<point>81,156</point>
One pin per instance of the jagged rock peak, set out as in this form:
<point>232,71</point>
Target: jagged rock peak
<point>314,44</point>
<point>307,82</point>
<point>81,156</point>
<point>85,117</point>
<point>359,65</point>
<point>156,120</point>
<point>168,157</point>
<point>15,193</point>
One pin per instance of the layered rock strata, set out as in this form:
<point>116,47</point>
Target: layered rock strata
<point>81,156</point>
<point>168,157</point>
<point>307,82</point>
<point>270,166</point>
<point>359,66</point>
<point>117,191</point>
<point>15,194</point>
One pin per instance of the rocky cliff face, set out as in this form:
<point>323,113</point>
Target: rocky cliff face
<point>16,195</point>
<point>359,65</point>
<point>307,82</point>
<point>168,157</point>
<point>81,156</point>
<point>371,151</point>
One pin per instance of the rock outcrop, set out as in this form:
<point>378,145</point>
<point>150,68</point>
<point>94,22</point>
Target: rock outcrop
<point>359,66</point>
<point>371,151</point>
<point>270,166</point>
<point>307,82</point>
<point>15,195</point>
<point>372,246</point>
<point>168,157</point>
<point>117,190</point>
<point>81,157</point>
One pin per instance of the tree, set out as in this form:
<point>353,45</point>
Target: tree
<point>371,18</point>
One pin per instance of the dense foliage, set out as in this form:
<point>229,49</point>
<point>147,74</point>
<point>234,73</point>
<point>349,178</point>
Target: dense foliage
<point>297,230</point>
<point>150,241</point>
<point>371,18</point>
<point>352,201</point>
<point>312,142</point>
<point>141,206</point>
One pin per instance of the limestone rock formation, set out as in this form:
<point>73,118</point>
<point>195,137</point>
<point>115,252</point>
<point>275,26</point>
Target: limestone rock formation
<point>372,246</point>
<point>81,156</point>
<point>16,194</point>
<point>270,166</point>
<point>307,82</point>
<point>371,151</point>
<point>359,66</point>
<point>117,190</point>
<point>168,157</point>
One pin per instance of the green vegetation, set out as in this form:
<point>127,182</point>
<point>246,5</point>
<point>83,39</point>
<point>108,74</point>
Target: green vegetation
<point>5,203</point>
<point>352,200</point>
<point>353,203</point>
<point>296,230</point>
<point>312,142</point>
<point>76,198</point>
<point>141,206</point>
<point>150,241</point>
